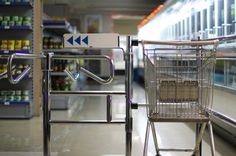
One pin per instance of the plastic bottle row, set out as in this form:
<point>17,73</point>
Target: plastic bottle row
<point>14,95</point>
<point>60,83</point>
<point>15,21</point>
<point>61,65</point>
<point>51,43</point>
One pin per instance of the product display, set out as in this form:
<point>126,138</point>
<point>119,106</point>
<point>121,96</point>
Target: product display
<point>14,95</point>
<point>60,83</point>
<point>14,1</point>
<point>61,65</point>
<point>15,45</point>
<point>51,43</point>
<point>18,33</point>
<point>15,21</point>
<point>18,68</point>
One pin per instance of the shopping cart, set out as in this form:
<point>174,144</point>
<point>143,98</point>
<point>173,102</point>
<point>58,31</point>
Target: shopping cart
<point>179,86</point>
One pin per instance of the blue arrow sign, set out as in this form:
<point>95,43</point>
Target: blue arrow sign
<point>70,40</point>
<point>85,40</point>
<point>78,40</point>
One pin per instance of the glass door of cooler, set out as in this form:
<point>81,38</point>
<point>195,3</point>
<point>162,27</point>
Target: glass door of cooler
<point>220,18</point>
<point>176,31</point>
<point>211,20</point>
<point>188,28</point>
<point>204,24</point>
<point>193,31</point>
<point>198,24</point>
<point>229,27</point>
<point>173,32</point>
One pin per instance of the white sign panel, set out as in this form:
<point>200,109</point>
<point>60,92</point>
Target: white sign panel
<point>98,40</point>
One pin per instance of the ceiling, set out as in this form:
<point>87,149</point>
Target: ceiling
<point>117,8</point>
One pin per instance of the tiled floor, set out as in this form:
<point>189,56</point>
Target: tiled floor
<point>24,137</point>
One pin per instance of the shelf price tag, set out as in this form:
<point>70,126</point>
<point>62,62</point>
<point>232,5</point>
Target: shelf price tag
<point>92,40</point>
<point>6,27</point>
<point>7,103</point>
<point>7,3</point>
<point>6,52</point>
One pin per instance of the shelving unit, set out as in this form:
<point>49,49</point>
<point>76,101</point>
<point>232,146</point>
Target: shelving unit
<point>18,106</point>
<point>54,30</point>
<point>16,3</point>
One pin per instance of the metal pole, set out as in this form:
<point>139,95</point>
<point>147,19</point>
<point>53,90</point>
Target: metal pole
<point>109,108</point>
<point>128,89</point>
<point>198,127</point>
<point>46,107</point>
<point>211,139</point>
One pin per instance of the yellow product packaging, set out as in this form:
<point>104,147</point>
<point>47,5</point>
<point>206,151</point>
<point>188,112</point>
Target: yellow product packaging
<point>11,45</point>
<point>26,44</point>
<point>4,45</point>
<point>18,45</point>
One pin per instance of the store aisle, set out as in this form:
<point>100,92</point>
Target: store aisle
<point>24,137</point>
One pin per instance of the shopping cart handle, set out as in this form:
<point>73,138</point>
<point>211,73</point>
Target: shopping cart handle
<point>10,68</point>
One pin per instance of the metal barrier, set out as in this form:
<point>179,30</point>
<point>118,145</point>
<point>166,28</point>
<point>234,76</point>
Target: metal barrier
<point>47,122</point>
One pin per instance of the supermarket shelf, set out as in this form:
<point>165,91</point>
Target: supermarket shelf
<point>15,51</point>
<point>57,27</point>
<point>16,4</point>
<point>15,27</point>
<point>14,102</point>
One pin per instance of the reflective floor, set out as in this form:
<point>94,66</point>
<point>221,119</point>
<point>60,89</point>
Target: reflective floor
<point>24,137</point>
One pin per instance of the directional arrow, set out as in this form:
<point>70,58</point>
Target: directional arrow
<point>70,40</point>
<point>78,40</point>
<point>85,40</point>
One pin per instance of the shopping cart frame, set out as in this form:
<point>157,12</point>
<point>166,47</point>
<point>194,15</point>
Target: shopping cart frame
<point>200,124</point>
<point>47,60</point>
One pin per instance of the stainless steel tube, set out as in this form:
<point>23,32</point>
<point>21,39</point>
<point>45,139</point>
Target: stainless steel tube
<point>9,71</point>
<point>128,77</point>
<point>88,73</point>
<point>182,43</point>
<point>109,108</point>
<point>86,122</point>
<point>98,79</point>
<point>46,107</point>
<point>88,93</point>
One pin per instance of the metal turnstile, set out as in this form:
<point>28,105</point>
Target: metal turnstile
<point>91,41</point>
